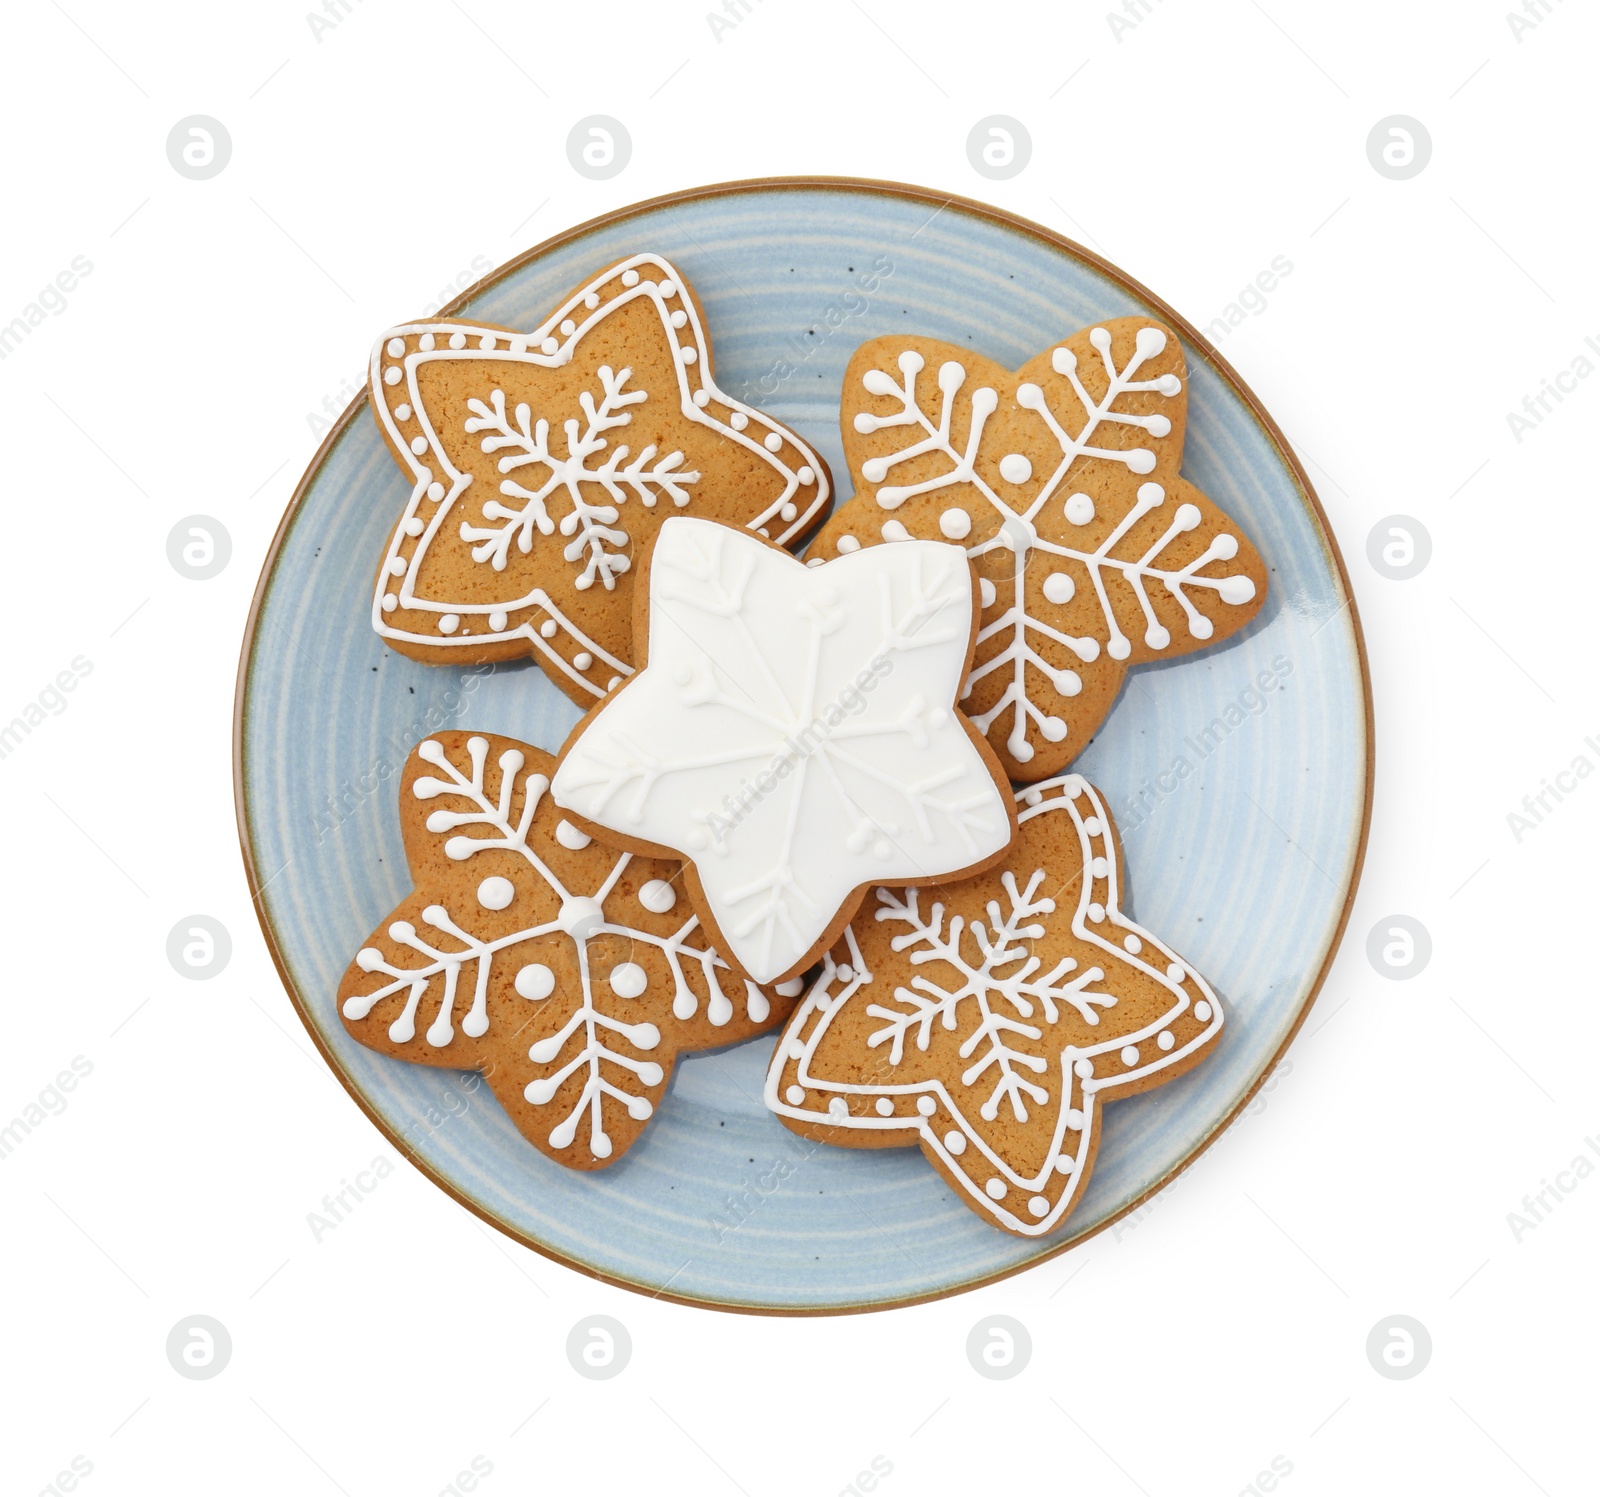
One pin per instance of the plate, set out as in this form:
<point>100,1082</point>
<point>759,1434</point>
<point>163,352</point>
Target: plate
<point>1243,811</point>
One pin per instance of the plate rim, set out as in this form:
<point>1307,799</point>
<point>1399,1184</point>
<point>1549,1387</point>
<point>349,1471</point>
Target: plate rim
<point>938,201</point>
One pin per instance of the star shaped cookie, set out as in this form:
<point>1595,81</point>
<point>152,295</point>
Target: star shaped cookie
<point>990,1021</point>
<point>543,461</point>
<point>792,732</point>
<point>1061,481</point>
<point>571,975</point>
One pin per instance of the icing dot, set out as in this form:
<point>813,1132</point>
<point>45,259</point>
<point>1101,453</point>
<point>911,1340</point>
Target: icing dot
<point>1015,468</point>
<point>628,980</point>
<point>687,353</point>
<point>458,340</point>
<point>397,566</point>
<point>838,1108</point>
<point>702,397</point>
<point>893,530</point>
<point>956,524</point>
<point>1097,912</point>
<point>995,1188</point>
<point>955,1142</point>
<point>814,561</point>
<point>1059,588</point>
<point>1038,1206</point>
<point>549,346</point>
<point>496,893</point>
<point>791,989</point>
<point>391,375</point>
<point>536,981</point>
<point>396,347</point>
<point>844,972</point>
<point>846,544</point>
<point>613,682</point>
<point>806,475</point>
<point>570,837</point>
<point>1202,1011</point>
<point>583,660</point>
<point>667,287</point>
<point>390,602</point>
<point>497,620</point>
<point>1084,1068</point>
<point>678,318</point>
<point>1100,868</point>
<point>436,492</point>
<point>1074,1118</point>
<point>486,342</point>
<point>658,896</point>
<point>547,630</point>
<point>788,512</point>
<point>402,412</point>
<point>425,342</point>
<point>738,420</point>
<point>591,301</point>
<point>885,1107</point>
<point>986,592</point>
<point>449,623</point>
<point>568,328</point>
<point>413,526</point>
<point>1093,827</point>
<point>1175,971</point>
<point>419,445</point>
<point>795,1095</point>
<point>630,278</point>
<point>1165,1040</point>
<point>927,1106</point>
<point>1130,1055</point>
<point>1080,509</point>
<point>1132,944</point>
<point>1065,1164</point>
<point>772,441</point>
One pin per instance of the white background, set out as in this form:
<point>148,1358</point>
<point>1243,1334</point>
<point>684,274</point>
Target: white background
<point>1222,1326</point>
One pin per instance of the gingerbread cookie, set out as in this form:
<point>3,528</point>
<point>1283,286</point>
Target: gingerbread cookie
<point>792,732</point>
<point>1061,480</point>
<point>569,974</point>
<point>542,462</point>
<point>990,1021</point>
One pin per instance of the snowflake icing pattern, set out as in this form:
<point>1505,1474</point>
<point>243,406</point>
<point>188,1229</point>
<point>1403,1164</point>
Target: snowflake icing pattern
<point>992,1036</point>
<point>1143,582</point>
<point>572,986</point>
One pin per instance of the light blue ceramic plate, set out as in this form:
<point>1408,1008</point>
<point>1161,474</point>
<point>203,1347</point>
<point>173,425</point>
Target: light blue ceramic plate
<point>1246,862</point>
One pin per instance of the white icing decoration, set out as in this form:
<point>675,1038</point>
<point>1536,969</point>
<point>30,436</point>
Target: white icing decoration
<point>1016,468</point>
<point>1018,533</point>
<point>570,837</point>
<point>982,979</point>
<point>495,893</point>
<point>1059,588</point>
<point>956,524</point>
<point>581,918</point>
<point>658,896</point>
<point>605,479</point>
<point>628,980</point>
<point>793,732</point>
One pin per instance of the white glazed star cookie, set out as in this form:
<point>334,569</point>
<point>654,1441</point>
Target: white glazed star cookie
<point>793,734</point>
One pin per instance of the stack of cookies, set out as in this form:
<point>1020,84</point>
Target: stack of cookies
<point>823,781</point>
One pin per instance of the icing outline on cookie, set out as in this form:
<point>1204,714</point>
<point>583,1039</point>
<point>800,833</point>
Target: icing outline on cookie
<point>649,478</point>
<point>925,1109</point>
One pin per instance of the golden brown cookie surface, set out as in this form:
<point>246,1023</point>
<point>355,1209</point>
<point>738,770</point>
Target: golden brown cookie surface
<point>991,1020</point>
<point>570,975</point>
<point>542,461</point>
<point>1061,480</point>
